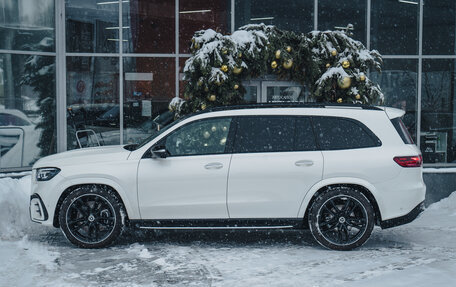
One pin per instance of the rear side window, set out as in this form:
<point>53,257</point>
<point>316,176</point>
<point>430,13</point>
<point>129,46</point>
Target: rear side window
<point>264,134</point>
<point>402,130</point>
<point>334,133</point>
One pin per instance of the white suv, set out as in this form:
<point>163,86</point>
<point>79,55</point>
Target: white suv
<point>338,170</point>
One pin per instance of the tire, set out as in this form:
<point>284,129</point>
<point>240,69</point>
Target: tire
<point>341,218</point>
<point>91,216</point>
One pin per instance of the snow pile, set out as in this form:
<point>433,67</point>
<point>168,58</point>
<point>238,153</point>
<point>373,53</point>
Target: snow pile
<point>14,208</point>
<point>440,215</point>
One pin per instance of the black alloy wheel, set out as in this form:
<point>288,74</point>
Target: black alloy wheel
<point>91,217</point>
<point>341,218</point>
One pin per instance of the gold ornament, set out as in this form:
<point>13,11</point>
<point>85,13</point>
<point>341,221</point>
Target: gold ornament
<point>274,64</point>
<point>334,53</point>
<point>222,141</point>
<point>199,83</point>
<point>339,100</point>
<point>288,49</point>
<point>224,51</point>
<point>288,64</point>
<point>237,70</point>
<point>224,128</point>
<point>203,106</point>
<point>224,68</point>
<point>206,89</point>
<point>212,98</point>
<point>344,83</point>
<point>196,46</point>
<point>240,55</point>
<point>358,96</point>
<point>206,134</point>
<point>277,54</point>
<point>214,129</point>
<point>362,78</point>
<point>218,83</point>
<point>236,86</point>
<point>328,65</point>
<point>345,64</point>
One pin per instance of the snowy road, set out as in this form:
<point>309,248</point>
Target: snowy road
<point>419,254</point>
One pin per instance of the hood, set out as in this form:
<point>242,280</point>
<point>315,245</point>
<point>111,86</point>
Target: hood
<point>84,156</point>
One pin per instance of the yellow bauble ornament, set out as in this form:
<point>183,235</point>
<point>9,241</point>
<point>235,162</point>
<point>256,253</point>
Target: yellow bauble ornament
<point>237,70</point>
<point>288,64</point>
<point>224,68</point>
<point>277,54</point>
<point>288,49</point>
<point>214,129</point>
<point>240,55</point>
<point>345,64</point>
<point>224,129</point>
<point>358,96</point>
<point>218,83</point>
<point>206,89</point>
<point>328,65</point>
<point>206,134</point>
<point>223,141</point>
<point>334,53</point>
<point>224,51</point>
<point>212,98</point>
<point>339,100</point>
<point>203,106</point>
<point>196,46</point>
<point>362,78</point>
<point>199,83</point>
<point>236,87</point>
<point>344,83</point>
<point>273,64</point>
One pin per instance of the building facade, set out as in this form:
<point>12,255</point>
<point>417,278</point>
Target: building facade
<point>86,72</point>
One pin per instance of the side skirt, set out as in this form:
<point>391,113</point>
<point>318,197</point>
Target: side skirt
<point>282,223</point>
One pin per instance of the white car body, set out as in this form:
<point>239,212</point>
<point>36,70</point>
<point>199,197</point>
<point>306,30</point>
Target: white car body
<point>277,185</point>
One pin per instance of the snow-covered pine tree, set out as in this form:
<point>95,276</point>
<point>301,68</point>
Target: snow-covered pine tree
<point>330,63</point>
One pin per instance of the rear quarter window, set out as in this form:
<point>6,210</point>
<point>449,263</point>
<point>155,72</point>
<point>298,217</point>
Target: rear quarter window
<point>335,133</point>
<point>402,130</point>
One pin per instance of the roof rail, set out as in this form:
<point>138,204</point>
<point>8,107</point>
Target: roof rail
<point>290,105</point>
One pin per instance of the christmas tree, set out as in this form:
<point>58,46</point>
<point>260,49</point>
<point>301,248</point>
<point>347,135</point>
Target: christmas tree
<point>330,63</point>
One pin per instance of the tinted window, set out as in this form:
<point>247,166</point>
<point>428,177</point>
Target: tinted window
<point>264,134</point>
<point>11,120</point>
<point>305,139</point>
<point>402,130</point>
<point>199,138</point>
<point>339,133</point>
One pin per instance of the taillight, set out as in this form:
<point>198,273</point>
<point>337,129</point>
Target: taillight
<point>409,161</point>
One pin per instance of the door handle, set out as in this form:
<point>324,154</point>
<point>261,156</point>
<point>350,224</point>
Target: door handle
<point>213,165</point>
<point>304,163</point>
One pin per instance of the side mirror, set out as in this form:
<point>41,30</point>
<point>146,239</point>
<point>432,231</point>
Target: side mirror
<point>159,152</point>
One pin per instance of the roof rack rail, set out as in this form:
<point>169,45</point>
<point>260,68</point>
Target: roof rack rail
<point>290,105</point>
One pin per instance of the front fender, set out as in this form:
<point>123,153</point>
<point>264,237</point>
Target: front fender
<point>338,181</point>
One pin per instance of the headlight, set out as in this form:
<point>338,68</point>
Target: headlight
<point>46,173</point>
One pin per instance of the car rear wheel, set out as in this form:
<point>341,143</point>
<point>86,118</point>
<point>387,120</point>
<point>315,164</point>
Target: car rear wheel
<point>91,216</point>
<point>341,218</point>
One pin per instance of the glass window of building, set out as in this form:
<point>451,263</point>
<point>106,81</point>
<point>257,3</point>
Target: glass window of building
<point>295,15</point>
<point>93,111</point>
<point>335,15</point>
<point>394,27</point>
<point>92,26</point>
<point>149,86</point>
<point>439,27</point>
<point>438,111</point>
<point>148,26</point>
<point>399,82</point>
<point>24,24</point>
<point>27,109</point>
<point>195,15</point>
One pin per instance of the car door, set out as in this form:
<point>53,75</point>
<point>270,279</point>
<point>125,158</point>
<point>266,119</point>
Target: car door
<point>190,183</point>
<point>275,162</point>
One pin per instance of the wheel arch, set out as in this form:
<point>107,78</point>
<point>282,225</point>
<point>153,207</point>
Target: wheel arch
<point>69,189</point>
<point>367,190</point>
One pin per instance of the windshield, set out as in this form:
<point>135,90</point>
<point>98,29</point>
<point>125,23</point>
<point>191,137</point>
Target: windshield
<point>157,133</point>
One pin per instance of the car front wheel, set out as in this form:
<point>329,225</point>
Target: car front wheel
<point>91,216</point>
<point>341,218</point>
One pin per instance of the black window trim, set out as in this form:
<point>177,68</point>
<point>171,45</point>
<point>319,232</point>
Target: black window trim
<point>375,139</point>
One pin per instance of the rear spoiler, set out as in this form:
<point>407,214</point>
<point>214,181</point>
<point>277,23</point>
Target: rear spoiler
<point>393,113</point>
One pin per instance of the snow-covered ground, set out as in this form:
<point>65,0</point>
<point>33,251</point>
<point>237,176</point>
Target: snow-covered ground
<point>422,253</point>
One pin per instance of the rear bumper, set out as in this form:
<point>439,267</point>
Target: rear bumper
<point>409,217</point>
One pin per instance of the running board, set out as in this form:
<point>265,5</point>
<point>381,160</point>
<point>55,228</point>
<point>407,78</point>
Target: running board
<point>200,224</point>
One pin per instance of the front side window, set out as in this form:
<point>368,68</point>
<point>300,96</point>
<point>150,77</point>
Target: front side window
<point>335,133</point>
<point>199,138</point>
